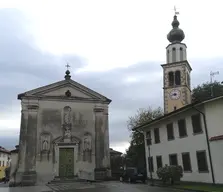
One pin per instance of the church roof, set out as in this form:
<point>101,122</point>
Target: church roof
<point>3,150</point>
<point>114,151</point>
<point>84,92</point>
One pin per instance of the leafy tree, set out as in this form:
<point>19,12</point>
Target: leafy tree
<point>135,154</point>
<point>203,92</point>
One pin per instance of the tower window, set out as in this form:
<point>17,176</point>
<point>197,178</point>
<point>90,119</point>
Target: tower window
<point>177,78</point>
<point>168,56</point>
<point>171,78</point>
<point>174,57</point>
<point>181,54</point>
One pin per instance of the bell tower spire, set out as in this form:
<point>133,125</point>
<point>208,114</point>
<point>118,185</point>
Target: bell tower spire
<point>176,80</point>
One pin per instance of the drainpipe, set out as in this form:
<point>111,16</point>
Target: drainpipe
<point>149,163</point>
<point>208,144</point>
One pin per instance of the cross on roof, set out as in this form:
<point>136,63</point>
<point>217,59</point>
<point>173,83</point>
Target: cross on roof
<point>67,66</point>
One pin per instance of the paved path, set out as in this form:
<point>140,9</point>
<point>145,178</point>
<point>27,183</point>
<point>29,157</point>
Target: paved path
<point>111,186</point>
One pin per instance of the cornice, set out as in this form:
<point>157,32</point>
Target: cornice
<point>66,99</point>
<point>179,63</point>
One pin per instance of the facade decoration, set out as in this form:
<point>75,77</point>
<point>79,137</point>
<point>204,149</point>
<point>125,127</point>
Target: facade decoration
<point>45,141</point>
<point>67,125</point>
<point>87,147</point>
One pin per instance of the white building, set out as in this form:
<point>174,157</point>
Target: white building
<point>188,134</point>
<point>181,138</point>
<point>4,157</point>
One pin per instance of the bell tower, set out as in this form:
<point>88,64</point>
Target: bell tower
<point>176,71</point>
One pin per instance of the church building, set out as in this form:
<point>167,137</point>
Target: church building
<point>189,133</point>
<point>64,133</point>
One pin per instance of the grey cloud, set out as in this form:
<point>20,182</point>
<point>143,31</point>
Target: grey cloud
<point>23,66</point>
<point>9,142</point>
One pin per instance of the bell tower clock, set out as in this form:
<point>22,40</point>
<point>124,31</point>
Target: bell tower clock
<point>176,71</point>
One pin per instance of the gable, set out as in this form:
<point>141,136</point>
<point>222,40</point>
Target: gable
<point>58,91</point>
<point>62,90</point>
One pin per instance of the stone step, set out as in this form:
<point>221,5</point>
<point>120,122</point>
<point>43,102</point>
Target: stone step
<point>64,180</point>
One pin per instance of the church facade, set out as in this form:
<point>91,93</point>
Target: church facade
<point>64,133</point>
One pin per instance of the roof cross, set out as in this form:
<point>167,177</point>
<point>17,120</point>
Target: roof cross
<point>67,66</point>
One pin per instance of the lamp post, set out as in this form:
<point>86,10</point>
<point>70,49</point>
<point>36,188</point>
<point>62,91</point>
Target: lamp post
<point>150,163</point>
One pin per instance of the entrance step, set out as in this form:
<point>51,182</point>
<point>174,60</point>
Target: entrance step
<point>64,179</point>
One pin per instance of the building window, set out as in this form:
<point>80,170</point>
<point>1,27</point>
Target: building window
<point>157,135</point>
<point>0,163</point>
<point>171,78</point>
<point>159,161</point>
<point>148,138</point>
<point>3,163</point>
<point>202,161</point>
<point>170,133</point>
<point>182,128</point>
<point>174,57</point>
<point>186,161</point>
<point>173,159</point>
<point>196,123</point>
<point>177,78</point>
<point>150,162</point>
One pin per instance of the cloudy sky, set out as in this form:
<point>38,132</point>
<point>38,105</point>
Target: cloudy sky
<point>114,47</point>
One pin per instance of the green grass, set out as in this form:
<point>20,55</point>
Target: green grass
<point>203,187</point>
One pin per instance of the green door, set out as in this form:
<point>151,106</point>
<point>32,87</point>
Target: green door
<point>66,162</point>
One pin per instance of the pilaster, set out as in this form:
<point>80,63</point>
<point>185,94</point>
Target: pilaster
<point>26,174</point>
<point>100,170</point>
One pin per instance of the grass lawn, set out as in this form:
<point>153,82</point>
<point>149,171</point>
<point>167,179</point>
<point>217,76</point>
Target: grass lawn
<point>202,187</point>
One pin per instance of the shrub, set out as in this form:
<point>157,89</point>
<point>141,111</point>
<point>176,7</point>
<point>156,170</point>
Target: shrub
<point>170,173</point>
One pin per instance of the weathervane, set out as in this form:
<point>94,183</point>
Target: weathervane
<point>175,11</point>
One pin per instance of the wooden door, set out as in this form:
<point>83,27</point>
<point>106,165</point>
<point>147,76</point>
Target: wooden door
<point>66,162</point>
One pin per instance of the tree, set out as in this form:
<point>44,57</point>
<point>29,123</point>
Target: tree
<point>203,92</point>
<point>135,154</point>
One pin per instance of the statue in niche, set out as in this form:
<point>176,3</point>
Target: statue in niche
<point>67,115</point>
<point>45,139</point>
<point>45,145</point>
<point>87,148</point>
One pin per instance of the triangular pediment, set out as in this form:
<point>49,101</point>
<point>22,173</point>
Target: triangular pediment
<point>60,90</point>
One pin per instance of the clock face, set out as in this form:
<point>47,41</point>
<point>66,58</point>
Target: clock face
<point>175,94</point>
